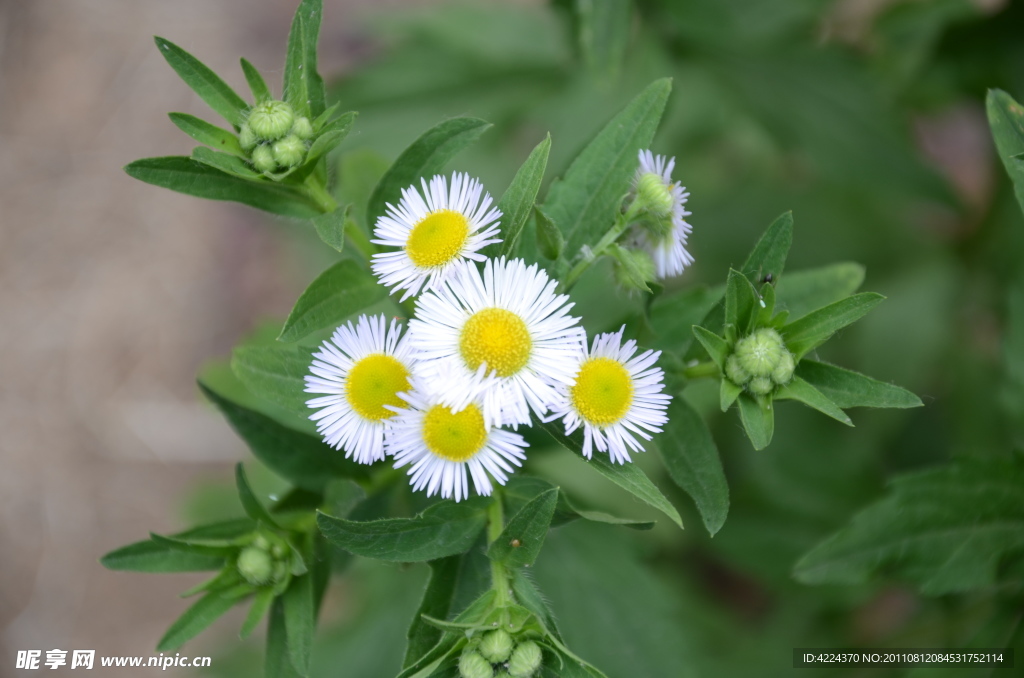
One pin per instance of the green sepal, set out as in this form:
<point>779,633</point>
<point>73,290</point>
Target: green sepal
<point>758,419</point>
<point>728,392</point>
<point>715,345</point>
<point>520,196</point>
<point>206,133</point>
<point>800,390</point>
<point>204,82</point>
<point>342,290</point>
<point>520,541</point>
<point>257,84</point>
<point>815,328</point>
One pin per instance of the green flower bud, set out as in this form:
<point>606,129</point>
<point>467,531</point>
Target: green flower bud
<point>734,372</point>
<point>256,565</point>
<point>653,195</point>
<point>496,646</point>
<point>302,128</point>
<point>271,120</point>
<point>760,353</point>
<point>760,385</point>
<point>289,151</point>
<point>525,661</point>
<point>472,665</point>
<point>246,138</point>
<point>263,159</point>
<point>784,371</point>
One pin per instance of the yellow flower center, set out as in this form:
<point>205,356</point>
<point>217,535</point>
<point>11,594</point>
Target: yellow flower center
<point>376,381</point>
<point>603,391</point>
<point>498,338</point>
<point>455,437</point>
<point>437,238</point>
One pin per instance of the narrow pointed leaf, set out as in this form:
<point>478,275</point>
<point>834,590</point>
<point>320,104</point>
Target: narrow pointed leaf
<point>550,242</point>
<point>728,392</point>
<point>692,460</point>
<point>204,82</point>
<point>206,133</point>
<point>427,156</point>
<point>532,599</point>
<point>627,476</point>
<point>713,344</point>
<point>337,293</point>
<point>257,84</point>
<point>1006,118</point>
<point>584,202</point>
<point>215,549</point>
<point>740,302</point>
<point>278,662</point>
<point>192,177</point>
<point>444,529</point>
<point>801,292</point>
<point>520,196</point>
<point>260,604</point>
<point>253,508</point>
<point>298,457</point>
<point>437,600</point>
<point>815,328</point>
<point>299,622</point>
<point>769,254</point>
<point>225,162</point>
<point>195,620</point>
<point>152,556</point>
<point>758,420</point>
<point>303,86</point>
<point>520,542</point>
<point>521,489</point>
<point>851,389</point>
<point>800,390</point>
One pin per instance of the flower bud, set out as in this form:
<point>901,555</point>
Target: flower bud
<point>760,385</point>
<point>525,661</point>
<point>472,665</point>
<point>784,371</point>
<point>271,120</point>
<point>256,565</point>
<point>246,138</point>
<point>760,353</point>
<point>653,195</point>
<point>263,159</point>
<point>289,151</point>
<point>734,372</point>
<point>496,646</point>
<point>302,128</point>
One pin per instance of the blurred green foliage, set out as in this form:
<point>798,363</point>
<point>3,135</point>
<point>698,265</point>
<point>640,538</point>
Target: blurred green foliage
<point>864,118</point>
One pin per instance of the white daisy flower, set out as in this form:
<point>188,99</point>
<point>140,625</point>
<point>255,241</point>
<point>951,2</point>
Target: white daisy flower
<point>504,337</point>
<point>435,231</point>
<point>614,396</point>
<point>664,232</point>
<point>362,370</point>
<point>440,445</point>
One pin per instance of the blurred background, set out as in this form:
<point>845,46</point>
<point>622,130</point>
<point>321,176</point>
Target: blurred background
<point>865,117</point>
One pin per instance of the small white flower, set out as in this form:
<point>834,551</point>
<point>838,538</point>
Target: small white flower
<point>504,337</point>
<point>362,370</point>
<point>666,201</point>
<point>614,396</point>
<point>435,231</point>
<point>440,445</point>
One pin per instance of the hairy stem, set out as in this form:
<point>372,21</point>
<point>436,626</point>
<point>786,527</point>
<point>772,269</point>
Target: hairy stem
<point>701,370</point>
<point>499,576</point>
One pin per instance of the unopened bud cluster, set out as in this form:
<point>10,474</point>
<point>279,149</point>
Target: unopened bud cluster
<point>274,137</point>
<point>653,203</point>
<point>760,362</point>
<point>264,562</point>
<point>497,653</point>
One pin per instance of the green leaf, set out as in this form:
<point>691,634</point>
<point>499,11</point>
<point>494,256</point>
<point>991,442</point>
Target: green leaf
<point>331,227</point>
<point>713,344</point>
<point>692,460</point>
<point>634,268</point>
<point>437,601</point>
<point>191,177</point>
<point>728,392</point>
<point>444,529</point>
<point>204,82</point>
<point>194,621</point>
<point>521,489</point>
<point>205,133</point>
<point>213,548</point>
<point>327,141</point>
<point>1006,118</point>
<point>815,328</point>
<point>673,316</point>
<point>426,156</point>
<point>769,254</point>
<point>531,598</point>
<point>740,304</point>
<point>153,556</point>
<point>520,196</point>
<point>303,86</point>
<point>758,419</point>
<point>520,542</point>
<point>604,27</point>
<point>851,389</point>
<point>300,458</point>
<point>801,292</point>
<point>260,604</point>
<point>946,529</point>
<point>276,373</point>
<point>299,622</point>
<point>627,476</point>
<point>550,242</point>
<point>427,664</point>
<point>584,202</point>
<point>253,508</point>
<point>257,84</point>
<point>225,162</point>
<point>800,390</point>
<point>337,293</point>
<point>278,662</point>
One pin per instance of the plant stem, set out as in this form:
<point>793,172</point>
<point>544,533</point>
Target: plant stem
<point>701,370</point>
<point>499,576</point>
<point>359,240</point>
<point>622,222</point>
<point>318,194</point>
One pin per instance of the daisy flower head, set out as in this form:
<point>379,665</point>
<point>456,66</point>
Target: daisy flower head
<point>444,447</point>
<point>360,370</point>
<point>615,396</point>
<point>663,230</point>
<point>502,336</point>
<point>434,231</point>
